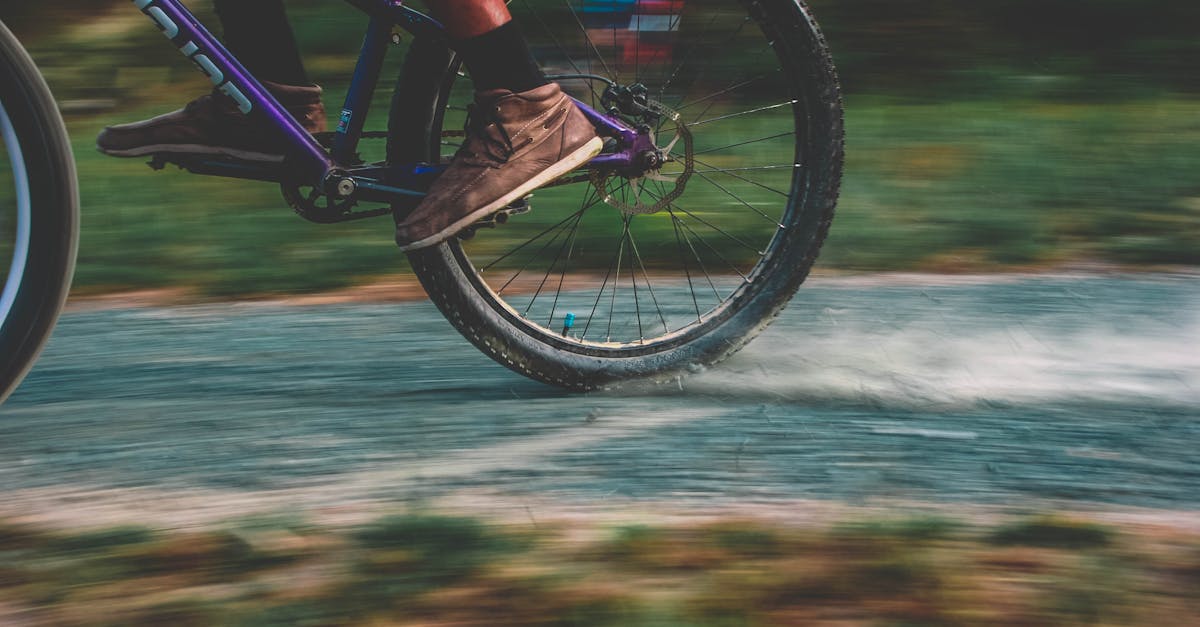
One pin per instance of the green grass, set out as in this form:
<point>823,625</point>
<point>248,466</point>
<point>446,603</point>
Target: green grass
<point>945,187</point>
<point>993,184</point>
<point>432,569</point>
<point>220,237</point>
<point>1021,180</point>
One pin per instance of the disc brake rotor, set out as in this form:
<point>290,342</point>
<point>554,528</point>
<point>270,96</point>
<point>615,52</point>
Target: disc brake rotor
<point>652,191</point>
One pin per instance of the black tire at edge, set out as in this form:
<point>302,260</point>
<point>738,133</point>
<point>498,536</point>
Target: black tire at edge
<point>55,216</point>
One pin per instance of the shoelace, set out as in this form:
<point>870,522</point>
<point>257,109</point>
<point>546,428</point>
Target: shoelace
<point>479,120</point>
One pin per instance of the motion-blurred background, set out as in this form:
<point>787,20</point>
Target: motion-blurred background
<point>894,451</point>
<point>1013,134</point>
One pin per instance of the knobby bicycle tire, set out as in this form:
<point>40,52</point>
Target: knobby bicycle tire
<point>38,213</point>
<point>775,68</point>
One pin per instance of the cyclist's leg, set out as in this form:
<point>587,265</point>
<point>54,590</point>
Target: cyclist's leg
<point>524,131</point>
<point>470,18</point>
<point>258,33</point>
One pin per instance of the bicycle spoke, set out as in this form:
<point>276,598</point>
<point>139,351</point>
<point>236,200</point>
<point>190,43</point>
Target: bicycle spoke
<point>752,141</point>
<point>588,39</point>
<point>672,26</point>
<point>719,93</point>
<point>721,46</point>
<point>699,261</point>
<point>562,275</point>
<point>637,306</point>
<point>739,114</point>
<point>740,200</point>
<point>553,263</point>
<point>733,267</point>
<point>616,284</point>
<point>740,178</point>
<point>720,230</point>
<point>789,166</point>
<point>614,34</point>
<point>637,43</point>
<point>599,296</point>
<point>532,260</point>
<point>710,105</point>
<point>649,287</point>
<point>566,55</point>
<point>688,57</point>
<point>533,239</point>
<point>686,269</point>
<point>716,252</point>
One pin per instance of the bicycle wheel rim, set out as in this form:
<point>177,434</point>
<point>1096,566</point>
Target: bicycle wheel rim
<point>630,284</point>
<point>17,235</point>
<point>45,229</point>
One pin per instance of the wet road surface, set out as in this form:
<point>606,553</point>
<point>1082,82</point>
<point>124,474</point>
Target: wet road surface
<point>1011,391</point>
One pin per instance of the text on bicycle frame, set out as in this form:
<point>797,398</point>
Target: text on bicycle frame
<point>190,50</point>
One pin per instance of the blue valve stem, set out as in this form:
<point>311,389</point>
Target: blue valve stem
<point>568,322</point>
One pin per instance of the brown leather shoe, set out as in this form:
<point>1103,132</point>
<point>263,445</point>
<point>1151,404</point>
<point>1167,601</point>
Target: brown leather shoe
<point>516,143</point>
<point>212,124</point>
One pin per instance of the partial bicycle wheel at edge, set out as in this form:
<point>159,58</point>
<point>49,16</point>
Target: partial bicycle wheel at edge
<point>38,213</point>
<point>647,274</point>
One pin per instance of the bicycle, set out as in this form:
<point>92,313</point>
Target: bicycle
<point>725,167</point>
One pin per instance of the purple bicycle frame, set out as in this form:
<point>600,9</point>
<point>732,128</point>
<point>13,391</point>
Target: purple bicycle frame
<point>309,162</point>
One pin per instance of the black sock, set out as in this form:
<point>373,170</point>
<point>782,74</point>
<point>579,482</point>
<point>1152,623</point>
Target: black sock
<point>500,59</point>
<point>257,32</point>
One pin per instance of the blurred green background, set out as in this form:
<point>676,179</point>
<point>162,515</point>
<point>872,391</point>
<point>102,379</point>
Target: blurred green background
<point>1010,135</point>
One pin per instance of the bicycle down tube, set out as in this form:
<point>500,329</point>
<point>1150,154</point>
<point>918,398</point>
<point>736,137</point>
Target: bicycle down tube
<point>232,79</point>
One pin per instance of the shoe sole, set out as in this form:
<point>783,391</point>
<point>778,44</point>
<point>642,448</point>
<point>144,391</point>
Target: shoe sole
<point>194,149</point>
<point>581,156</point>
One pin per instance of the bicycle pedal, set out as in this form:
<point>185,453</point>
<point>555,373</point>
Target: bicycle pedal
<point>220,165</point>
<point>160,160</point>
<point>518,206</point>
<point>157,162</point>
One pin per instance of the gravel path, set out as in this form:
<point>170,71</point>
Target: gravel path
<point>1011,392</point>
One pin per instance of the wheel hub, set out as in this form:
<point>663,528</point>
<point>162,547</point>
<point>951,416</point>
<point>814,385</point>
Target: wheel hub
<point>643,187</point>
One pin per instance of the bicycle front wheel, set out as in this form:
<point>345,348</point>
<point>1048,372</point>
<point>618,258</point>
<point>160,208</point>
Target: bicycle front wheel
<point>646,273</point>
<point>39,210</point>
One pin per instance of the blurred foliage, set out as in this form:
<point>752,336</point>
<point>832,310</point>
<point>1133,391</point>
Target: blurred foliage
<point>1096,48</point>
<point>1083,48</point>
<point>1015,134</point>
<point>427,569</point>
<point>1053,532</point>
